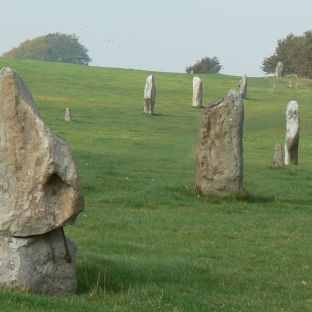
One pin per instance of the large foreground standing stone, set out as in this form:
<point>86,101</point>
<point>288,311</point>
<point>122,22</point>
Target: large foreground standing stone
<point>149,95</point>
<point>243,87</point>
<point>292,133</point>
<point>39,184</point>
<point>197,92</point>
<point>41,263</point>
<point>219,161</point>
<point>39,194</point>
<point>279,70</point>
<point>278,161</point>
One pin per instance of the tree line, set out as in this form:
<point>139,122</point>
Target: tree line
<point>55,47</point>
<point>295,52</point>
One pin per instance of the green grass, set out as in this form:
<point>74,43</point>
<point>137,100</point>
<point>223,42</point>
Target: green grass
<point>146,241</point>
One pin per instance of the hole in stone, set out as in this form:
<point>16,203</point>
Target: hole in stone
<point>54,183</point>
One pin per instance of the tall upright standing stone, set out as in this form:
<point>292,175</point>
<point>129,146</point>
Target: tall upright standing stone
<point>278,161</point>
<point>243,87</point>
<point>67,115</point>
<point>219,160</point>
<point>197,92</point>
<point>149,95</point>
<point>292,133</point>
<point>279,70</point>
<point>40,193</point>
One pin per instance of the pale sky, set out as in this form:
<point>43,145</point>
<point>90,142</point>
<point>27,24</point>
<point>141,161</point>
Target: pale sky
<point>161,35</point>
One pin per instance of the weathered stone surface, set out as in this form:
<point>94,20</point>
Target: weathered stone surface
<point>149,95</point>
<point>279,70</point>
<point>39,184</point>
<point>292,133</point>
<point>40,263</point>
<point>219,161</point>
<point>197,92</point>
<point>243,87</point>
<point>278,161</point>
<point>67,115</point>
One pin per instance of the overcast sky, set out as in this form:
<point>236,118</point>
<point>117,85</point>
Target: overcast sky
<point>161,35</point>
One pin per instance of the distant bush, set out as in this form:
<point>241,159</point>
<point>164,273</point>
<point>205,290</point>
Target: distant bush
<point>295,52</point>
<point>55,47</point>
<point>206,65</point>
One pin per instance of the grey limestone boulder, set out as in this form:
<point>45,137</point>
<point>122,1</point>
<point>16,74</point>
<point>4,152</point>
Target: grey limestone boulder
<point>243,87</point>
<point>278,161</point>
<point>292,133</point>
<point>39,184</point>
<point>279,70</point>
<point>197,92</point>
<point>219,160</point>
<point>67,115</point>
<point>39,194</point>
<point>149,95</point>
<point>43,263</point>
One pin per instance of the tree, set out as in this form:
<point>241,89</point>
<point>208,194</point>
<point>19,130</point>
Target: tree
<point>55,47</point>
<point>206,65</point>
<point>295,52</point>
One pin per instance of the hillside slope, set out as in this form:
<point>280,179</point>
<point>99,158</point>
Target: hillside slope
<point>146,241</point>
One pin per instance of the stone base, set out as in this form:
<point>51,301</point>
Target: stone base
<point>40,263</point>
<point>197,105</point>
<point>148,106</point>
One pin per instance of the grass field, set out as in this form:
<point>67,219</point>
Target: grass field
<point>146,241</point>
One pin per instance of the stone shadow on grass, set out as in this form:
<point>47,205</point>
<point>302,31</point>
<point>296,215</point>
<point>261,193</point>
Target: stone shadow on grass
<point>238,197</point>
<point>161,115</point>
<point>100,276</point>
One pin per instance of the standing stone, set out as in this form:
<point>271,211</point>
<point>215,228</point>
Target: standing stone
<point>39,194</point>
<point>39,263</point>
<point>297,86</point>
<point>279,70</point>
<point>292,133</point>
<point>67,116</point>
<point>290,84</point>
<point>39,185</point>
<point>149,95</point>
<point>274,88</point>
<point>278,161</point>
<point>243,87</point>
<point>197,92</point>
<point>219,160</point>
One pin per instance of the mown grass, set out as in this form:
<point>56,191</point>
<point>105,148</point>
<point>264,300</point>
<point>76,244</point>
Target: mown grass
<point>147,241</point>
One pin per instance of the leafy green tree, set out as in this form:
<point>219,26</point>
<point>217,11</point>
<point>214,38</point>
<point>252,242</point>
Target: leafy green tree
<point>296,54</point>
<point>206,65</point>
<point>304,59</point>
<point>55,47</point>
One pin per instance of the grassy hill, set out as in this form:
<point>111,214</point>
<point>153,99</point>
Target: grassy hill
<point>146,241</point>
